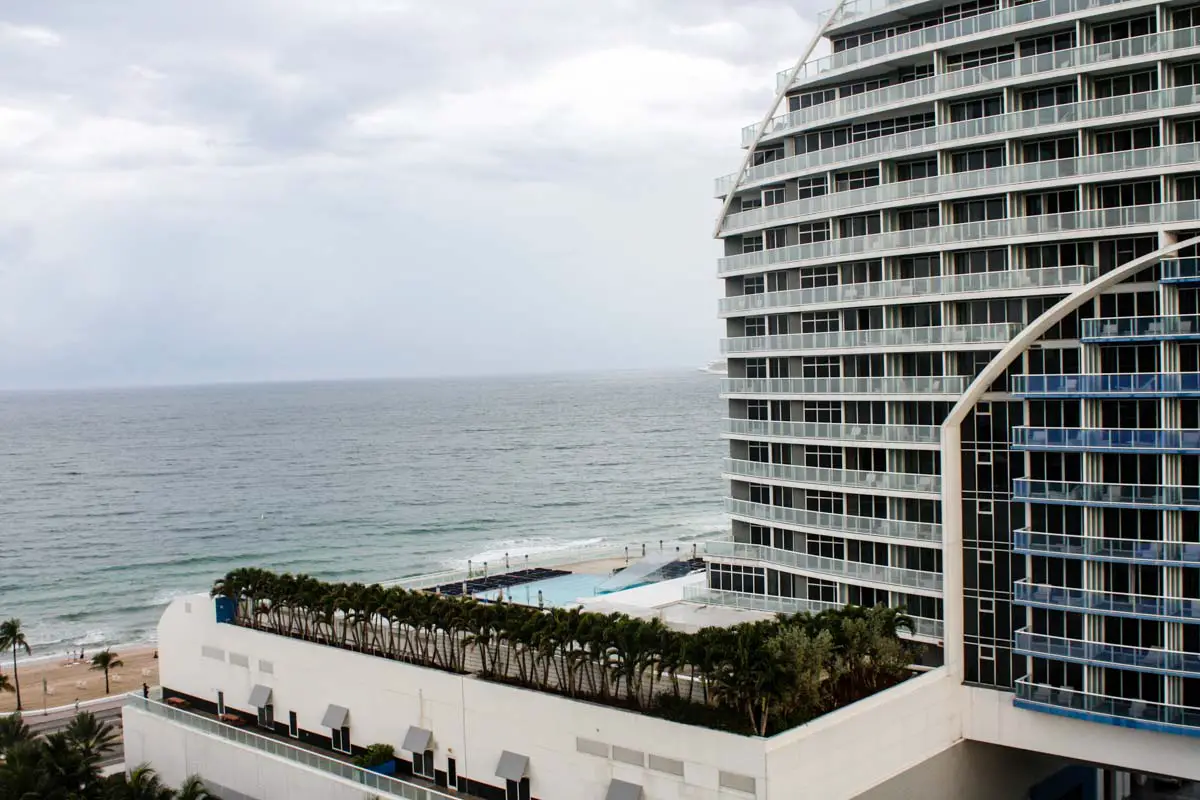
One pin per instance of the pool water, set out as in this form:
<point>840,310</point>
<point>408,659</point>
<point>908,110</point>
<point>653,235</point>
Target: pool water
<point>561,591</point>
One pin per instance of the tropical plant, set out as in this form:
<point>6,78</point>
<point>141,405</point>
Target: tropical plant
<point>106,660</point>
<point>13,730</point>
<point>193,788</point>
<point>771,674</point>
<point>90,735</point>
<point>12,637</point>
<point>375,755</point>
<point>144,784</point>
<point>5,684</point>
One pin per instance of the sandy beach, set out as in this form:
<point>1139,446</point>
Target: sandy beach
<point>63,678</point>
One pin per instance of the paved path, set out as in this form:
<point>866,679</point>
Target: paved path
<point>107,710</point>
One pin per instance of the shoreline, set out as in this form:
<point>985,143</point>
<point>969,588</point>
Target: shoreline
<point>67,681</point>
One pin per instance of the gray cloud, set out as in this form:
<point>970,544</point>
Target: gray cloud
<point>249,189</point>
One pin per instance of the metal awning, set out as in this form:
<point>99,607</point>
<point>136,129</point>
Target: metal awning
<point>623,790</point>
<point>260,696</point>
<point>512,766</point>
<point>416,740</point>
<point>335,717</point>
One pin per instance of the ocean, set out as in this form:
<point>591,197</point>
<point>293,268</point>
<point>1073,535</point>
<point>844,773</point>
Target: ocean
<point>113,502</point>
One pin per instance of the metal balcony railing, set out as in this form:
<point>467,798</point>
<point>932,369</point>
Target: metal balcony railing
<point>838,432</point>
<point>1140,384</point>
<point>999,126</point>
<point>1147,659</point>
<point>1015,228</point>
<point>910,288</point>
<point>852,526</point>
<point>947,386</point>
<point>1110,603</point>
<point>1179,270</point>
<point>1133,713</point>
<point>1092,547</point>
<point>836,567</point>
<point>1149,440</point>
<point>1120,329</point>
<point>878,339</point>
<point>1106,494</point>
<point>849,479</point>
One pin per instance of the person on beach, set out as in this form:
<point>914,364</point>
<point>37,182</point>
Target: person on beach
<point>76,705</point>
<point>145,691</point>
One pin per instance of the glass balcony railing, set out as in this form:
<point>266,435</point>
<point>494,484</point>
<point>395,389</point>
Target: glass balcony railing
<point>1064,171</point>
<point>1100,602</point>
<point>837,523</point>
<point>837,567</point>
<point>857,293</point>
<point>999,127</point>
<point>948,386</point>
<point>995,333</point>
<point>1016,228</point>
<point>1122,711</point>
<point>1092,547</point>
<point>1142,384</point>
<point>1149,659</point>
<point>280,749</point>
<point>928,89</point>
<point>929,37</point>
<point>849,432</point>
<point>1179,270</point>
<point>1119,329</point>
<point>1106,494</point>
<point>842,478</point>
<point>1152,440</point>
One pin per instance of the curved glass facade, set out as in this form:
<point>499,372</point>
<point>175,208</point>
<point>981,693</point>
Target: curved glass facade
<point>925,192</point>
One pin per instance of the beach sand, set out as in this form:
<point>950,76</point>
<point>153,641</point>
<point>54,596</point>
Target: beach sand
<point>62,678</point>
<point>602,566</point>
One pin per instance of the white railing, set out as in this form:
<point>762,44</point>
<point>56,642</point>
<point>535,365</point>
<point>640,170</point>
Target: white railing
<point>910,288</point>
<point>929,37</point>
<point>967,233</point>
<point>838,523</point>
<point>879,338</point>
<point>951,385</point>
<point>1064,171</point>
<point>837,567</point>
<point>1119,603</point>
<point>1073,60</point>
<point>842,478</point>
<point>290,752</point>
<point>999,126</point>
<point>848,432</point>
<point>1141,712</point>
<point>1155,659</point>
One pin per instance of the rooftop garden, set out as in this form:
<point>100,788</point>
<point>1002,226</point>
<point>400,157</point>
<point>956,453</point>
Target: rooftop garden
<point>755,678</point>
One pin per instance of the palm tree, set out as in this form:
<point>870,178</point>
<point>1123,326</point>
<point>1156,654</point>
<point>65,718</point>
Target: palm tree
<point>92,737</point>
<point>144,784</point>
<point>5,684</point>
<point>105,660</point>
<point>193,788</point>
<point>12,636</point>
<point>13,730</point>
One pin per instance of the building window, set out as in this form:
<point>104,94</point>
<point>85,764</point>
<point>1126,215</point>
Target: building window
<point>810,99</point>
<point>1046,44</point>
<point>913,218</point>
<point>341,739</point>
<point>220,703</point>
<point>1049,149</point>
<point>977,108</point>
<point>979,58</point>
<point>755,326</point>
<point>810,187</point>
<point>767,156</point>
<point>773,196</point>
<point>752,284</point>
<point>776,238</point>
<point>1186,18</point>
<point>1127,139</point>
<point>971,160</point>
<point>915,170</point>
<point>759,451</point>
<point>517,790</point>
<point>759,494</point>
<point>1120,85</point>
<point>980,210</point>
<point>812,232</point>
<point>861,225</point>
<point>1058,202</point>
<point>756,368</point>
<point>1123,29</point>
<point>855,179</point>
<point>293,725</point>
<point>752,244</point>
<point>915,72</point>
<point>1141,193</point>
<point>1048,96</point>
<point>423,764</point>
<point>736,578</point>
<point>266,716</point>
<point>822,591</point>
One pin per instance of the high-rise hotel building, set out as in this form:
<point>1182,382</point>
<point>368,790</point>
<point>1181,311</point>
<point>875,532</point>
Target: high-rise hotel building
<point>964,345</point>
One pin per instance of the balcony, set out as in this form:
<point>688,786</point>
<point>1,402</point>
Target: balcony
<point>875,388</point>
<point>852,433</point>
<point>1118,604</point>
<point>924,628</point>
<point>1141,659</point>
<point>1106,55</point>
<point>844,524</point>
<point>1093,548</point>
<point>1121,495</point>
<point>858,294</point>
<point>1133,440</point>
<point>1035,228</point>
<point>960,336</point>
<point>1134,329</point>
<point>280,748</point>
<point>848,479</point>
<point>1109,710</point>
<point>1179,270</point>
<point>836,567</point>
<point>1000,127</point>
<point>1141,384</point>
<point>927,38</point>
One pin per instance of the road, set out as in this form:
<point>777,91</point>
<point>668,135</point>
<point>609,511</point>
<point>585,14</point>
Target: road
<point>108,710</point>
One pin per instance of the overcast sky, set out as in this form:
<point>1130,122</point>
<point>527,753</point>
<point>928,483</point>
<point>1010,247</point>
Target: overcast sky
<point>289,189</point>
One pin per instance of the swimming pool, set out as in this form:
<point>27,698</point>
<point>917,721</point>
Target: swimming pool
<point>561,591</point>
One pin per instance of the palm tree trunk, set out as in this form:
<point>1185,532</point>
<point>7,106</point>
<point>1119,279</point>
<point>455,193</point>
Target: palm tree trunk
<point>106,692</point>
<point>16,677</point>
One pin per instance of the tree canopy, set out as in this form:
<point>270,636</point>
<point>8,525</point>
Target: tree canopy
<point>756,678</point>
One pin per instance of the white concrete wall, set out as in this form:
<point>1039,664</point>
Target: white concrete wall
<point>176,752</point>
<point>850,751</point>
<point>991,717</point>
